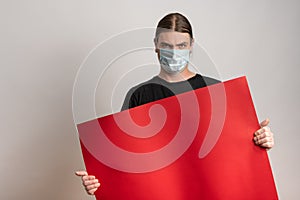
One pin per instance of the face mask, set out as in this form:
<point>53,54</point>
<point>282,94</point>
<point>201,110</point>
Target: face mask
<point>174,60</point>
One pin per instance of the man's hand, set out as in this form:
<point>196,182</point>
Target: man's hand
<point>263,137</point>
<point>90,183</point>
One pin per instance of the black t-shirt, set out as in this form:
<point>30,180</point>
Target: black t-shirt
<point>157,88</point>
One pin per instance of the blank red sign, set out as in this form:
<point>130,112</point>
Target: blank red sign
<point>196,145</point>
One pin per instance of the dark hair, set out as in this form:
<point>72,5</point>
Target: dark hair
<point>174,22</point>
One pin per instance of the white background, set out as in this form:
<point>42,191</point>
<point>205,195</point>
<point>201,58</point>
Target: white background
<point>43,43</point>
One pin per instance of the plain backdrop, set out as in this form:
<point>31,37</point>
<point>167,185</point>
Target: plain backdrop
<point>43,43</point>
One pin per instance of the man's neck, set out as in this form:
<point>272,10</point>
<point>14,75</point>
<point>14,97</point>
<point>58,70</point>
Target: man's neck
<point>184,75</point>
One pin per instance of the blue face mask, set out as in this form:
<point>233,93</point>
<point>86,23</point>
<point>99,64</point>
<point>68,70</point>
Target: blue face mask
<point>174,60</point>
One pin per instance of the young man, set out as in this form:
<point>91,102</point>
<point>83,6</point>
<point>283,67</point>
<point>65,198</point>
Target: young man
<point>173,44</point>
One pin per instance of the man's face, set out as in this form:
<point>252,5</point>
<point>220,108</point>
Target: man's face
<point>173,40</point>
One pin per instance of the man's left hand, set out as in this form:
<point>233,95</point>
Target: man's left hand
<point>263,137</point>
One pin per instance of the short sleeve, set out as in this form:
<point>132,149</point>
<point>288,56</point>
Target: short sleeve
<point>130,100</point>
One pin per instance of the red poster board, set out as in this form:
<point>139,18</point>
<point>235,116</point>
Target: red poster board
<point>196,145</point>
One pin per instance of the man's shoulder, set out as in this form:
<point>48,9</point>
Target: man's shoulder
<point>144,85</point>
<point>210,80</point>
<point>199,81</point>
<point>133,96</point>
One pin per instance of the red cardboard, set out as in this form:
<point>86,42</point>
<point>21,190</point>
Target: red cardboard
<point>195,145</point>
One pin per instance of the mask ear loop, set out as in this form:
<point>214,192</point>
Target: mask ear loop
<point>191,52</point>
<point>191,55</point>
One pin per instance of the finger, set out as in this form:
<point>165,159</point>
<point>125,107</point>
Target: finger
<point>259,137</point>
<point>262,130</point>
<point>267,145</point>
<point>261,141</point>
<point>263,135</point>
<point>266,134</point>
<point>81,173</point>
<point>259,131</point>
<point>90,187</point>
<point>265,122</point>
<point>92,191</point>
<point>86,183</point>
<point>264,140</point>
<point>89,177</point>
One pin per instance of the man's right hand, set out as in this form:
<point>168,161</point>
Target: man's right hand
<point>90,183</point>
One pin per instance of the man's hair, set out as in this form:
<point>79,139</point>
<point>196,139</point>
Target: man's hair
<point>174,22</point>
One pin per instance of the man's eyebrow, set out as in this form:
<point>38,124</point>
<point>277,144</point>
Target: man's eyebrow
<point>165,43</point>
<point>185,43</point>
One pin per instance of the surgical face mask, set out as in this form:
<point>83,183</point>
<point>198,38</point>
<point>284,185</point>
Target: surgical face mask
<point>174,60</point>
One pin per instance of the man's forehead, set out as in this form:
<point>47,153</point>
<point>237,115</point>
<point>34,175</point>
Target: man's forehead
<point>173,37</point>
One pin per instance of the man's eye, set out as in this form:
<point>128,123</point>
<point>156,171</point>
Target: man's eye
<point>182,45</point>
<point>165,46</point>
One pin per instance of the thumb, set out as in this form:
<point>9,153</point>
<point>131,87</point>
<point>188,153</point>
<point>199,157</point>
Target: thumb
<point>265,122</point>
<point>81,173</point>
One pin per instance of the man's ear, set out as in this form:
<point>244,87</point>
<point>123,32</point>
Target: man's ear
<point>155,45</point>
<point>192,45</point>
<point>192,42</point>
